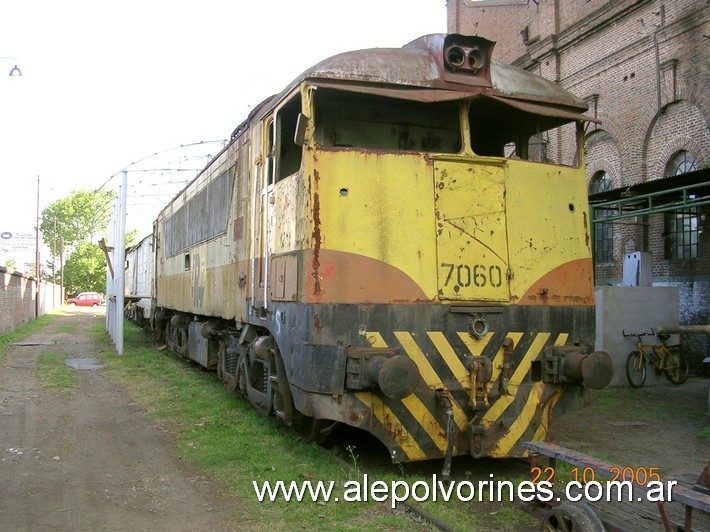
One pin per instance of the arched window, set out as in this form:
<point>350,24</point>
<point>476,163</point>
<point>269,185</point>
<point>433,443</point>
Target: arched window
<point>601,182</point>
<point>681,163</point>
<point>603,232</point>
<point>682,225</point>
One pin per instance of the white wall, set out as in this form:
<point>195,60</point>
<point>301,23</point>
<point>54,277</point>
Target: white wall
<point>634,309</point>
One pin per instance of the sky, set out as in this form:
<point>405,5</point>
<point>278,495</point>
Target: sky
<point>106,84</point>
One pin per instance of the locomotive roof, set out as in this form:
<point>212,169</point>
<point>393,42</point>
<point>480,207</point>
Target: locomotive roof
<point>418,71</point>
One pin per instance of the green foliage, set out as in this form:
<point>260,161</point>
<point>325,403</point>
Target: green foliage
<point>79,217</point>
<point>85,269</point>
<point>11,265</point>
<point>131,237</point>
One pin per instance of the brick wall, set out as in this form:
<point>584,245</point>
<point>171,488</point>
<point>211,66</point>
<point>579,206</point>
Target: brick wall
<point>17,299</point>
<point>642,66</point>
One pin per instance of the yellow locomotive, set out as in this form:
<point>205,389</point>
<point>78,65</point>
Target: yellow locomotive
<point>399,241</point>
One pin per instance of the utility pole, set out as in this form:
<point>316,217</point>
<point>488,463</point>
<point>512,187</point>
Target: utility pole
<point>54,260</point>
<point>37,256</point>
<point>61,268</point>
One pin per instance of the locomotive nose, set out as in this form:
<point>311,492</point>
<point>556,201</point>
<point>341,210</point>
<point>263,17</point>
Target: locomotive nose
<point>595,370</point>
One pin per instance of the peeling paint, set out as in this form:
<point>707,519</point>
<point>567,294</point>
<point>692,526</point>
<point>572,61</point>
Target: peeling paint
<point>315,262</point>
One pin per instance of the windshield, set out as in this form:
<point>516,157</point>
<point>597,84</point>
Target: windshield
<point>370,121</point>
<point>353,120</point>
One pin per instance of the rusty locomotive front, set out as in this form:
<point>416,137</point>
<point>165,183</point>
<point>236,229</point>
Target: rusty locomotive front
<point>399,241</point>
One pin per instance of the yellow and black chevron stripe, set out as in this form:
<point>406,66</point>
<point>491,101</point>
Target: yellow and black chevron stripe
<point>415,427</point>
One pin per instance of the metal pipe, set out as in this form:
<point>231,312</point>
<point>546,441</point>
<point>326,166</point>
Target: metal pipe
<point>684,329</point>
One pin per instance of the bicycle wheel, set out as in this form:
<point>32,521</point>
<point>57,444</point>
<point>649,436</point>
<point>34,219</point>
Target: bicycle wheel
<point>636,369</point>
<point>675,366</point>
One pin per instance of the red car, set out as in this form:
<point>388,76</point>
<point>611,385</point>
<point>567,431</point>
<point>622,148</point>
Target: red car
<point>86,299</point>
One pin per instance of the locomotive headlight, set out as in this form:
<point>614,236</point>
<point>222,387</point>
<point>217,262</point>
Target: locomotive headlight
<point>476,59</point>
<point>464,58</point>
<point>455,56</point>
<point>467,59</point>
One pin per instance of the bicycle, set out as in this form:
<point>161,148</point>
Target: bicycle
<point>668,360</point>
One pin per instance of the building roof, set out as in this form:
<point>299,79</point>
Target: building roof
<point>667,194</point>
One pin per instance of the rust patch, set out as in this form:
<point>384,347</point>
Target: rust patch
<point>571,283</point>
<point>316,236</point>
<point>239,228</point>
<point>586,229</point>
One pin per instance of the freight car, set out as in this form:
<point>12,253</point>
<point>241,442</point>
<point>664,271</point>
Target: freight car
<point>398,241</point>
<point>138,281</point>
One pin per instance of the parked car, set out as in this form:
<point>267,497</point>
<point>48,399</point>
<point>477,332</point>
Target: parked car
<point>86,299</point>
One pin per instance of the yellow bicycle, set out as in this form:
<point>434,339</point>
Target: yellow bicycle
<point>667,360</point>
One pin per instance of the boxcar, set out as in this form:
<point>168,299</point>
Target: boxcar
<point>138,281</point>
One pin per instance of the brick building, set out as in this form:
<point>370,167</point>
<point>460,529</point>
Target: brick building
<point>642,66</point>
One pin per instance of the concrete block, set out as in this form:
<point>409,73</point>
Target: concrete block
<point>633,309</point>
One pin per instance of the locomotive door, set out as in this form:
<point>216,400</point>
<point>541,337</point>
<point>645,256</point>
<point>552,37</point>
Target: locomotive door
<point>472,244</point>
<point>262,212</point>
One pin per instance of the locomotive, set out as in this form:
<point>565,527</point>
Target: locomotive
<point>399,241</point>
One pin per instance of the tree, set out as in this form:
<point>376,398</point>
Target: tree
<point>75,219</point>
<point>85,269</point>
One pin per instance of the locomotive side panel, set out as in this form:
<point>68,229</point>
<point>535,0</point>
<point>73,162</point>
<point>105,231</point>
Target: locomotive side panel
<point>549,230</point>
<point>201,246</point>
<point>373,228</point>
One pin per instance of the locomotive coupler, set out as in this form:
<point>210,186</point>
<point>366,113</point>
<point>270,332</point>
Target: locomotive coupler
<point>480,373</point>
<point>444,399</point>
<point>476,432</point>
<point>508,345</point>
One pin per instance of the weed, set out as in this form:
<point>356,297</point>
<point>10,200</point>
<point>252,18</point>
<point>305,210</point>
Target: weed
<point>353,458</point>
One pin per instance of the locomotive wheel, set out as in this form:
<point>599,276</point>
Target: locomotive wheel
<point>572,517</point>
<point>676,366</point>
<point>636,369</point>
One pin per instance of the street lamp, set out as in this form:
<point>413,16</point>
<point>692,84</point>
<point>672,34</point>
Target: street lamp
<point>14,71</point>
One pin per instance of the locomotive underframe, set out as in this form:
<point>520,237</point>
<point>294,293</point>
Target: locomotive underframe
<point>472,394</point>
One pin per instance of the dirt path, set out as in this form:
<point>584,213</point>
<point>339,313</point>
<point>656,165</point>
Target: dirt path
<point>655,426</point>
<point>91,461</point>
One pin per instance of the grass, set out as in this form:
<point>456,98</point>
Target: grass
<point>25,330</point>
<point>68,328</point>
<point>226,438</point>
<point>54,374</point>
